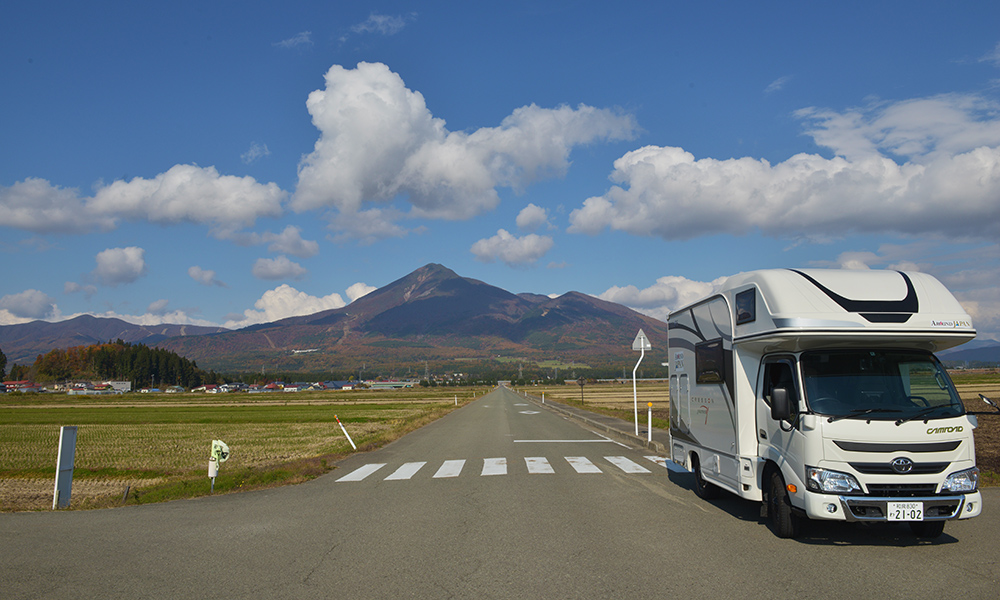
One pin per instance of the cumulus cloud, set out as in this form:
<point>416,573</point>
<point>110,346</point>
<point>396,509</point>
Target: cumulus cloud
<point>191,194</point>
<point>116,266</point>
<point>379,142</point>
<point>278,268</point>
<point>358,290</point>
<point>512,250</point>
<point>204,276</point>
<point>282,302</point>
<point>948,187</point>
<point>668,294</point>
<point>28,305</point>
<point>290,241</point>
<point>532,217</point>
<point>303,38</point>
<point>184,193</point>
<point>38,206</point>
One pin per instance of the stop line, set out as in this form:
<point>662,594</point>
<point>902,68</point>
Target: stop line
<point>535,465</point>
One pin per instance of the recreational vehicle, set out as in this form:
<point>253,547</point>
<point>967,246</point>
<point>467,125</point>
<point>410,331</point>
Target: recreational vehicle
<point>817,393</point>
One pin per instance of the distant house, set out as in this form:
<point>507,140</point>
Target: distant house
<point>174,389</point>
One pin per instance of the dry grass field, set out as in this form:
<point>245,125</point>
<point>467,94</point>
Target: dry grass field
<point>159,449</point>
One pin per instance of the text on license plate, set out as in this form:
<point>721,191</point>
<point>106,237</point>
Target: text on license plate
<point>905,511</point>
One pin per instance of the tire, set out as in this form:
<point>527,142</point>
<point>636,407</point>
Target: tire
<point>704,489</point>
<point>927,530</point>
<point>783,522</point>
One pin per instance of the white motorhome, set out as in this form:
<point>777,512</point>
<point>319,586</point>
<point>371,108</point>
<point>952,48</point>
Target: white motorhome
<point>817,393</point>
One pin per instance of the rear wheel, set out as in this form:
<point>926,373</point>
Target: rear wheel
<point>927,530</point>
<point>784,523</point>
<point>704,489</point>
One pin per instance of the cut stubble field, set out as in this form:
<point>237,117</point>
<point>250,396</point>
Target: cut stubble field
<point>136,452</point>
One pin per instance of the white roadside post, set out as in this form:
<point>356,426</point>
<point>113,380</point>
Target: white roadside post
<point>641,343</point>
<point>345,432</point>
<point>649,437</point>
<point>64,467</point>
<point>220,454</point>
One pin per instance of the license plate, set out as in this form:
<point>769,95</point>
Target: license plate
<point>905,511</point>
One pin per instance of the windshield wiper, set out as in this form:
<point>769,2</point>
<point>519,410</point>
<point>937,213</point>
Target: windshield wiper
<point>922,413</point>
<point>860,412</point>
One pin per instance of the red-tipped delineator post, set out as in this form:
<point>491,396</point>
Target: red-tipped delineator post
<point>345,432</point>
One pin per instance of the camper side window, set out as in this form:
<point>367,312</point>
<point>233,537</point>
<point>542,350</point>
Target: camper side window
<point>710,362</point>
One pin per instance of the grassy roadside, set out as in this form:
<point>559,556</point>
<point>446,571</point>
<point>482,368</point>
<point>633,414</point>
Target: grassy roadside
<point>152,449</point>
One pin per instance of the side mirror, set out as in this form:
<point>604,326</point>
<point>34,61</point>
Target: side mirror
<point>781,405</point>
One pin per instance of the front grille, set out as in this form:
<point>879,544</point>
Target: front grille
<point>901,490</point>
<point>886,468</point>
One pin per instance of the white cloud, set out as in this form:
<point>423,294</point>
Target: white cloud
<point>159,307</point>
<point>667,294</point>
<point>28,305</point>
<point>992,56</point>
<point>187,193</point>
<point>278,268</point>
<point>777,84</point>
<point>290,241</point>
<point>512,250</point>
<point>204,276</point>
<point>116,266</point>
<point>379,143</point>
<point>303,38</point>
<point>367,226</point>
<point>532,217</point>
<point>949,187</point>
<point>382,24</point>
<point>285,301</point>
<point>38,206</point>
<point>256,152</point>
<point>358,290</point>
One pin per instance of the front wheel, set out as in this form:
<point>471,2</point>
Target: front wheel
<point>784,523</point>
<point>704,489</point>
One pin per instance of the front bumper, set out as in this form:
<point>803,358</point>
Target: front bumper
<point>872,509</point>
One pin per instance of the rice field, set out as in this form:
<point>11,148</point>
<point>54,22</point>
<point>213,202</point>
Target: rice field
<point>141,446</point>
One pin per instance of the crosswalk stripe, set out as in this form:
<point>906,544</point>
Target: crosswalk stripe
<point>359,474</point>
<point>582,465</point>
<point>538,464</point>
<point>667,464</point>
<point>626,465</point>
<point>450,468</point>
<point>494,466</point>
<point>406,471</point>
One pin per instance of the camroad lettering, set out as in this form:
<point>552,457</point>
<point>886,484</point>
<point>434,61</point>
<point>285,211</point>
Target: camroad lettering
<point>956,429</point>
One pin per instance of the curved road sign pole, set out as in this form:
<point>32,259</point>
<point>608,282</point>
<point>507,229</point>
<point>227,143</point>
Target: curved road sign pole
<point>641,343</point>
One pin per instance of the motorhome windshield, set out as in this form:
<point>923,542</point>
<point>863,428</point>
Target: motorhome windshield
<point>878,385</point>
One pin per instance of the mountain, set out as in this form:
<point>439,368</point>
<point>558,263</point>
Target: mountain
<point>22,343</point>
<point>432,314</point>
<point>986,352</point>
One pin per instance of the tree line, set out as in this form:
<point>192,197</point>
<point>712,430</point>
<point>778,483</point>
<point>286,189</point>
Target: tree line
<point>120,361</point>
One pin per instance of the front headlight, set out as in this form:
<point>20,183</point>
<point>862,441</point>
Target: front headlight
<point>831,482</point>
<point>962,481</point>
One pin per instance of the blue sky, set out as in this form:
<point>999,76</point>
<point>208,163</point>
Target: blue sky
<point>230,163</point>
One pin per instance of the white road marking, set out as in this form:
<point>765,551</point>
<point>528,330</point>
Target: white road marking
<point>528,412</point>
<point>406,471</point>
<point>538,464</point>
<point>582,465</point>
<point>667,464</point>
<point>562,441</point>
<point>450,468</point>
<point>626,465</point>
<point>494,466</point>
<point>359,474</point>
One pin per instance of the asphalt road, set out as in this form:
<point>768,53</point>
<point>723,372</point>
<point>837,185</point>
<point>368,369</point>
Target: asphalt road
<point>498,525</point>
